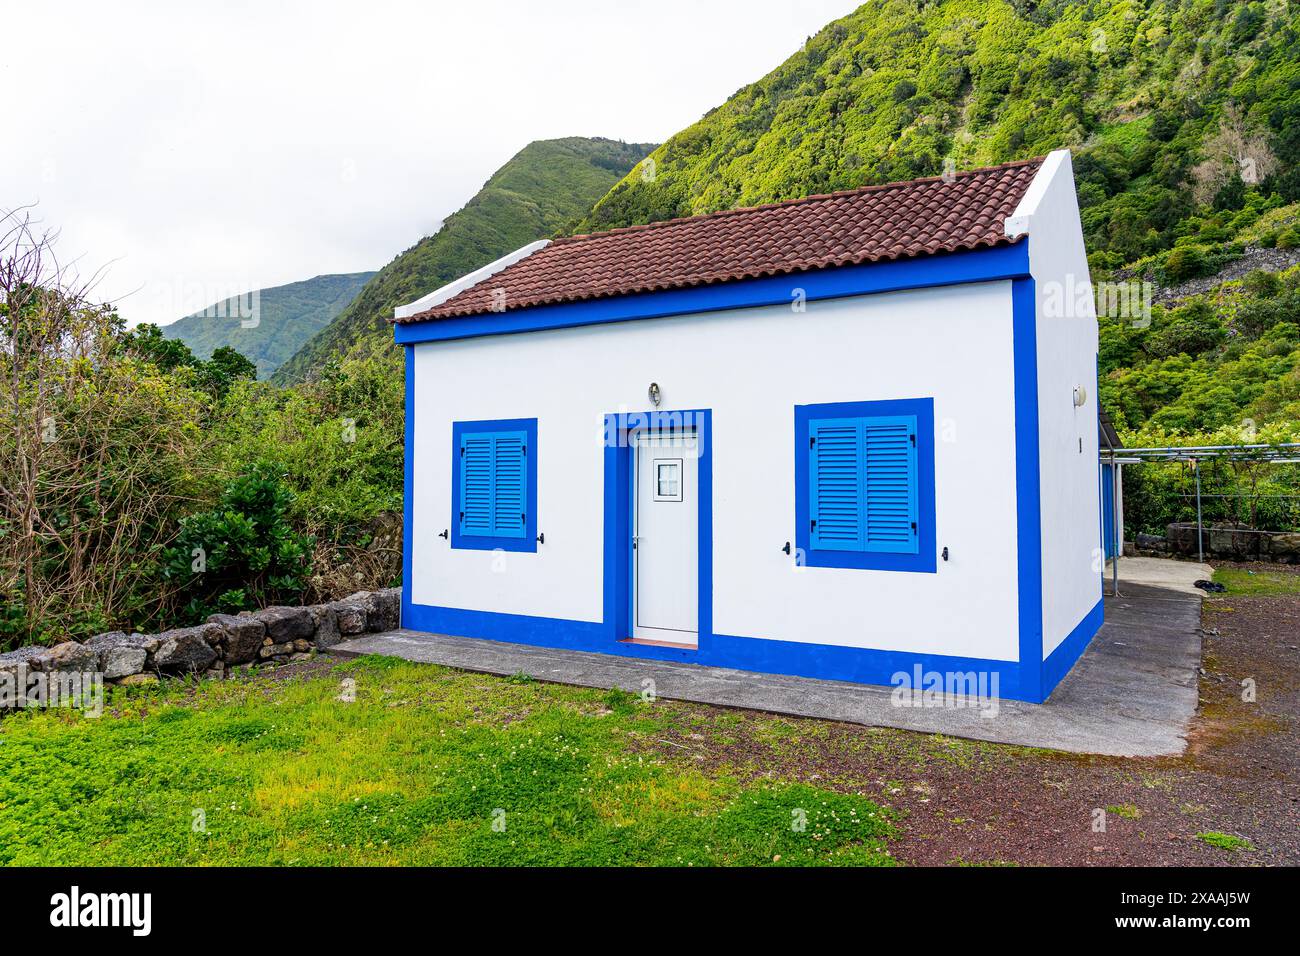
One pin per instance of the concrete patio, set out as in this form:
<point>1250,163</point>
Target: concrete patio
<point>1132,693</point>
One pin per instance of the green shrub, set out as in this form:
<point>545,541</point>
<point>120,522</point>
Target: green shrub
<point>1261,284</point>
<point>1186,262</point>
<point>243,553</point>
<point>1190,330</point>
<point>1288,238</point>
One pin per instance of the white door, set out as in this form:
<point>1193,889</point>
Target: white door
<point>665,538</point>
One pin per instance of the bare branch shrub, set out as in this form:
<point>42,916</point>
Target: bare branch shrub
<point>1237,148</point>
<point>94,453</point>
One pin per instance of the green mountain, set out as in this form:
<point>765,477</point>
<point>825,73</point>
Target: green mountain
<point>545,186</point>
<point>269,325</point>
<point>1184,119</point>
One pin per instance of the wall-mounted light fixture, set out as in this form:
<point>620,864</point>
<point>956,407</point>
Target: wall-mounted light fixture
<point>653,391</point>
<point>1080,396</point>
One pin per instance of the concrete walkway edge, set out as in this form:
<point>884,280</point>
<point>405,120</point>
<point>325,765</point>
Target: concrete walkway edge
<point>1132,693</point>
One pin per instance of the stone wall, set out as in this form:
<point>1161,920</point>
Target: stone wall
<point>273,635</point>
<point>1223,540</point>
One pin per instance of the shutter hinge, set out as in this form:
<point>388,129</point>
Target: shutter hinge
<point>523,519</point>
<point>812,525</point>
<point>462,451</point>
<point>913,527</point>
<point>812,440</point>
<point>462,517</point>
<point>525,451</point>
<point>913,437</point>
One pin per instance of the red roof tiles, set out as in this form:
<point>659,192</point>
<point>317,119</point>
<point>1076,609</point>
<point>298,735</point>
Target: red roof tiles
<point>894,221</point>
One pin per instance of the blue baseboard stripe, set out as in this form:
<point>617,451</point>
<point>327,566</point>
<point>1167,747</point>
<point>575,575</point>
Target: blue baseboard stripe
<point>1060,661</point>
<point>821,661</point>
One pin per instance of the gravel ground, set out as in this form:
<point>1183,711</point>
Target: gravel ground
<point>963,802</point>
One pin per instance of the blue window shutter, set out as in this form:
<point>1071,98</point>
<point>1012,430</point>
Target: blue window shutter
<point>509,484</point>
<point>494,484</point>
<point>890,484</point>
<point>835,482</point>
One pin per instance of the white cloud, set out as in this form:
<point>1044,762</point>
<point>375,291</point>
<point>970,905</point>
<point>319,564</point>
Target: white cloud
<point>207,149</point>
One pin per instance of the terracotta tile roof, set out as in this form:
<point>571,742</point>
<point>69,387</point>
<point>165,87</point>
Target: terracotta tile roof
<point>894,221</point>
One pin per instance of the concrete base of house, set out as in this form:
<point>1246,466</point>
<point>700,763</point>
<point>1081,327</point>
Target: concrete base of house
<point>1132,694</point>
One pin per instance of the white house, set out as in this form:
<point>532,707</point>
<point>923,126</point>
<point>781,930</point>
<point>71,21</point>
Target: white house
<point>838,437</point>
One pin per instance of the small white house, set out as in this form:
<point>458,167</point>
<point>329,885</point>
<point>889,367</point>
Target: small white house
<point>841,437</point>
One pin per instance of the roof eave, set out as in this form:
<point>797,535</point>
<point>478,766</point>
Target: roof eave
<point>438,296</point>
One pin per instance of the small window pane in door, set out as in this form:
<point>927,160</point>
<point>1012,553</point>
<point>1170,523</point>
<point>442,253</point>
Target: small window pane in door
<point>668,479</point>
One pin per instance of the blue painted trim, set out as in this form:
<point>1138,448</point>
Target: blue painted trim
<point>408,479</point>
<point>925,560</point>
<point>1060,661</point>
<point>1029,518</point>
<point>460,541</point>
<point>1096,390</point>
<point>983,265</point>
<point>619,428</point>
<point>820,661</point>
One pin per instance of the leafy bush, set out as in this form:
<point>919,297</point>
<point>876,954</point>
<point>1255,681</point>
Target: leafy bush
<point>1190,330</point>
<point>1288,238</point>
<point>337,441</point>
<point>1186,262</point>
<point>1261,284</point>
<point>243,553</point>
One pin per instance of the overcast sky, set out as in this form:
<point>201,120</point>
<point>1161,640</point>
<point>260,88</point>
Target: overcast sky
<point>203,149</point>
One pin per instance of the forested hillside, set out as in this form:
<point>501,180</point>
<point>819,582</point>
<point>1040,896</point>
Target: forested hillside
<point>1139,90</point>
<point>546,184</point>
<point>287,316</point>
<point>1184,121</point>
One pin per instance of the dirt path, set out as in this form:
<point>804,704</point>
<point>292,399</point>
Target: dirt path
<point>967,802</point>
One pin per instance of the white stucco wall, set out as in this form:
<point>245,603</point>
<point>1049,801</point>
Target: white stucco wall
<point>1067,356</point>
<point>751,367</point>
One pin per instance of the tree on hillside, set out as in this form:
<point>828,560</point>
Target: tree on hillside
<point>227,366</point>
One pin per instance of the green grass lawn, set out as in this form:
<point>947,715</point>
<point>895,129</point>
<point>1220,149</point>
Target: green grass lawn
<point>425,766</point>
<point>1257,583</point>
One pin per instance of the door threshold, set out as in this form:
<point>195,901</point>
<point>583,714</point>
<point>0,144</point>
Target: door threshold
<point>648,642</point>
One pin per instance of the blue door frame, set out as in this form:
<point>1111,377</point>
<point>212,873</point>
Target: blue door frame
<point>620,474</point>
